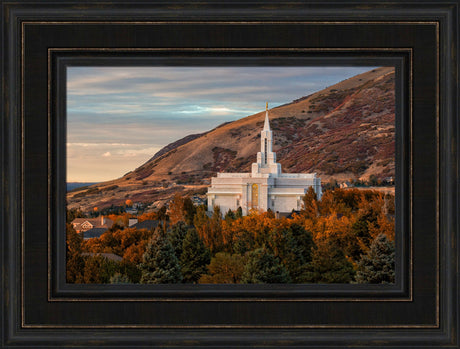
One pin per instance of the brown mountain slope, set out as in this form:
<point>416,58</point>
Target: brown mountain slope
<point>344,131</point>
<point>340,130</point>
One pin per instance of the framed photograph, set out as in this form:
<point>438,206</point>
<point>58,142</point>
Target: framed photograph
<point>255,199</point>
<point>214,174</point>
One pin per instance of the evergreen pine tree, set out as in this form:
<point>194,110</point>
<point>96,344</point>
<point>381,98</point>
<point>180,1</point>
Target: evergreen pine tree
<point>230,215</point>
<point>195,257</point>
<point>293,246</point>
<point>176,235</point>
<point>239,212</point>
<point>190,210</point>
<point>378,264</point>
<point>263,267</point>
<point>329,265</point>
<point>159,262</point>
<point>304,240</point>
<point>118,278</point>
<point>75,263</point>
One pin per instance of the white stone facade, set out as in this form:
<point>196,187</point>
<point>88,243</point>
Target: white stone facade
<point>266,187</point>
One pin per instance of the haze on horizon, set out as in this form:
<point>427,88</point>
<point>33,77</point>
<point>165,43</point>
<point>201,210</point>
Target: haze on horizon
<point>119,117</point>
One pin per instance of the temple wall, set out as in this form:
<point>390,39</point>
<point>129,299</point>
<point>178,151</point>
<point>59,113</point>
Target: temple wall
<point>284,203</point>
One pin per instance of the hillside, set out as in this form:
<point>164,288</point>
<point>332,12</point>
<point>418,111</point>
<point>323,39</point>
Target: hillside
<point>344,131</point>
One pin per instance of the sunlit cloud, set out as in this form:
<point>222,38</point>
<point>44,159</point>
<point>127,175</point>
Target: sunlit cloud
<point>196,109</point>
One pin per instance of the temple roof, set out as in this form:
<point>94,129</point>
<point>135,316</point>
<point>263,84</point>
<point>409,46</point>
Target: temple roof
<point>267,122</point>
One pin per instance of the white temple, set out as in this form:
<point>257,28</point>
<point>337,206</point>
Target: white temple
<point>266,187</point>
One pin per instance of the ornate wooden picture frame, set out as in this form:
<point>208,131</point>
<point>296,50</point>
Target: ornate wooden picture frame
<point>41,39</point>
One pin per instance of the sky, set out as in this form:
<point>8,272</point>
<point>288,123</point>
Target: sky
<point>119,117</point>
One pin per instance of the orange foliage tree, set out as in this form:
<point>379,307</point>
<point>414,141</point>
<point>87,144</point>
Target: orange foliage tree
<point>324,242</point>
<point>176,209</point>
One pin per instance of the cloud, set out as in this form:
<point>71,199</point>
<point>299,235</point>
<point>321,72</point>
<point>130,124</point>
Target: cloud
<point>118,117</point>
<point>216,110</point>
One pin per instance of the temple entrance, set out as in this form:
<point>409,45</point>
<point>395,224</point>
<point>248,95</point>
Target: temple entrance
<point>255,196</point>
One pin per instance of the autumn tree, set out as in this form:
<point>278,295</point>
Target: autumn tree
<point>215,231</point>
<point>225,268</point>
<point>384,224</point>
<point>326,242</point>
<point>262,267</point>
<point>209,229</point>
<point>378,264</point>
<point>194,258</point>
<point>249,232</point>
<point>310,207</point>
<point>147,216</point>
<point>159,262</point>
<point>390,204</point>
<point>348,198</point>
<point>366,221</point>
<point>93,270</point>
<point>99,270</point>
<point>270,214</point>
<point>181,209</point>
<point>176,209</point>
<point>201,223</point>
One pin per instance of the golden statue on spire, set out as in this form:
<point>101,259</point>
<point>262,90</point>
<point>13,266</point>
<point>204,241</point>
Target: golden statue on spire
<point>266,105</point>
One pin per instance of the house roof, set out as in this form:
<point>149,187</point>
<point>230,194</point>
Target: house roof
<point>110,256</point>
<point>94,233</point>
<point>95,222</point>
<point>147,224</point>
<point>81,220</point>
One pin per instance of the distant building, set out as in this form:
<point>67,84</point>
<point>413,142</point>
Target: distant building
<point>265,187</point>
<point>132,221</point>
<point>389,180</point>
<point>345,184</point>
<point>85,224</point>
<point>197,201</point>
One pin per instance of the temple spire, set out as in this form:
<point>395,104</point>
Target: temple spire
<point>267,122</point>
